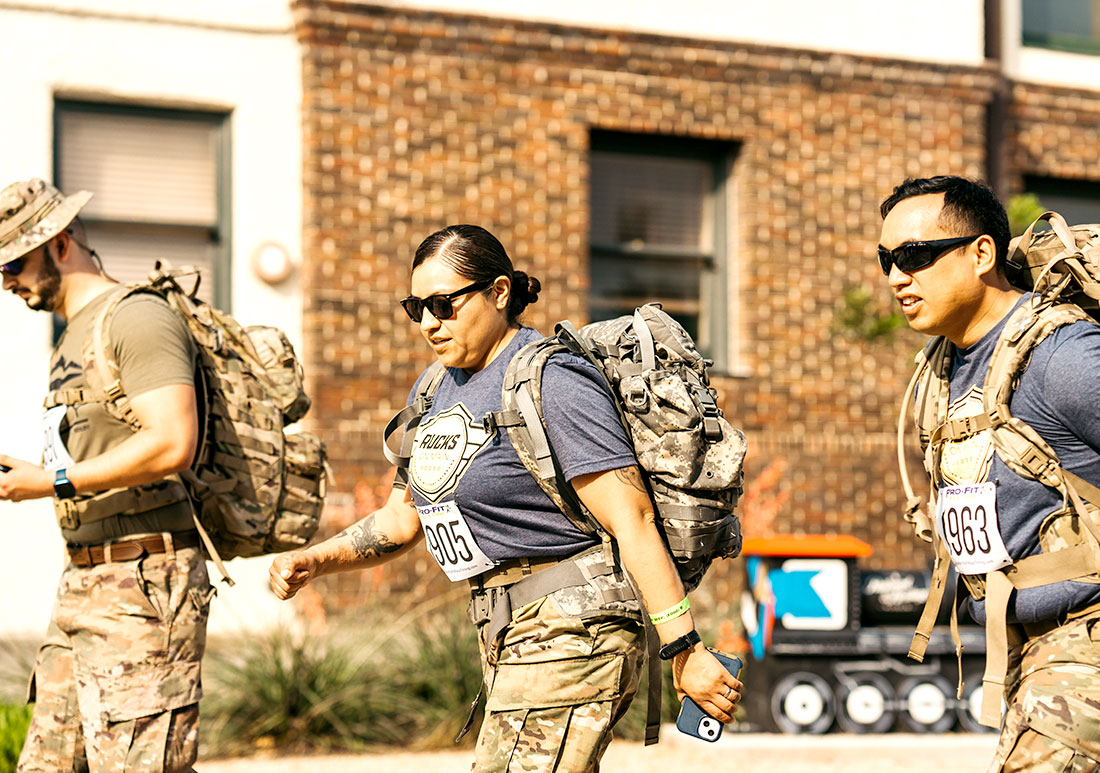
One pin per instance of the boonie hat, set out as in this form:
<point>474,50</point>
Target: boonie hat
<point>31,213</point>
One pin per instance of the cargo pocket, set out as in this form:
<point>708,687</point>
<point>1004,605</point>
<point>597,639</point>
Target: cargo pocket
<point>548,661</point>
<point>149,691</point>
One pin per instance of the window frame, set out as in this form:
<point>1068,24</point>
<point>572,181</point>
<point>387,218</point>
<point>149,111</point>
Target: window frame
<point>220,124</point>
<point>1064,43</point>
<point>716,296</point>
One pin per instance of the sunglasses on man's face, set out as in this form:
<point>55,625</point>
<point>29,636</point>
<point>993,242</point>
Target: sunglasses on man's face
<point>913,256</point>
<point>14,267</point>
<point>439,304</point>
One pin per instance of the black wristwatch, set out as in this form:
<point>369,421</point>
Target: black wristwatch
<point>683,644</point>
<point>63,487</point>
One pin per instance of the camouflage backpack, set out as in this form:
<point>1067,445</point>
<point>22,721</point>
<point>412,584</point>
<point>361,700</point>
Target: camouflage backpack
<point>690,456</point>
<point>257,488</point>
<point>1062,268</point>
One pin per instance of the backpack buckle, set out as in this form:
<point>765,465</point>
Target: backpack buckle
<point>636,399</point>
<point>712,429</point>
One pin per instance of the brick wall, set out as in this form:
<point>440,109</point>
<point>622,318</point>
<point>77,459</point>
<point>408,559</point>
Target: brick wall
<point>1054,132</point>
<point>414,120</point>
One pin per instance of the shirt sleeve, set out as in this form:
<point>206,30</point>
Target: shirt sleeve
<point>152,344</point>
<point>581,421</point>
<point>1069,384</point>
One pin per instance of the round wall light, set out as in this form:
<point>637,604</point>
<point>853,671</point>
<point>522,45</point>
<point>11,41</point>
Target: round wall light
<point>272,262</point>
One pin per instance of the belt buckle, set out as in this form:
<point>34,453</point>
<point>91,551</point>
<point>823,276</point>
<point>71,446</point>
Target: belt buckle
<point>80,555</point>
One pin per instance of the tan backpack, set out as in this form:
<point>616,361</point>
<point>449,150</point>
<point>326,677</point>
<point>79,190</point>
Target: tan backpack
<point>256,487</point>
<point>1062,267</point>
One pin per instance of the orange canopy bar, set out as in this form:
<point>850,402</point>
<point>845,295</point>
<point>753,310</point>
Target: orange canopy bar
<point>824,545</point>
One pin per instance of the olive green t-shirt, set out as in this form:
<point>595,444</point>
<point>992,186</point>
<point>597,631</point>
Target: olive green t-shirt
<point>153,349</point>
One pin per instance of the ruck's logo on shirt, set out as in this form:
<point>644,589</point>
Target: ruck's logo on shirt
<point>445,445</point>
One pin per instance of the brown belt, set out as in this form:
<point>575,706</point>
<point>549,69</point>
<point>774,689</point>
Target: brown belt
<point>129,549</point>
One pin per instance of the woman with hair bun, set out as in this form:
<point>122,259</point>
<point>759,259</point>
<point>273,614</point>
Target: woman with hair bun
<point>562,667</point>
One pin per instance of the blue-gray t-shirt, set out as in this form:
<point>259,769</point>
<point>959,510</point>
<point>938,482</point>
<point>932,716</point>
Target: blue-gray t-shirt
<point>1058,397</point>
<point>508,514</point>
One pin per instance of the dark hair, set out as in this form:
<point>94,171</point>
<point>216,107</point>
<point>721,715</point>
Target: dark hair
<point>477,255</point>
<point>969,207</point>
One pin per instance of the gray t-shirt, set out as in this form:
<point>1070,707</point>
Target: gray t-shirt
<point>508,514</point>
<point>1057,396</point>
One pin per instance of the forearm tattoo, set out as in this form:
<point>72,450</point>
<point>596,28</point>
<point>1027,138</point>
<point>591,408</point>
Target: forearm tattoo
<point>366,542</point>
<point>632,477</point>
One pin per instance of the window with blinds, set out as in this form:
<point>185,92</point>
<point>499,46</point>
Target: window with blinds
<point>657,231</point>
<point>158,179</point>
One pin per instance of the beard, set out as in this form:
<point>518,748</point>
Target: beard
<point>44,295</point>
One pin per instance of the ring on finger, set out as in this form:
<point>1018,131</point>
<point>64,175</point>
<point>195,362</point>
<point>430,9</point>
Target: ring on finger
<point>728,693</point>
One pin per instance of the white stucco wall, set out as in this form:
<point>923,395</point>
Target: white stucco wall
<point>930,30</point>
<point>240,56</point>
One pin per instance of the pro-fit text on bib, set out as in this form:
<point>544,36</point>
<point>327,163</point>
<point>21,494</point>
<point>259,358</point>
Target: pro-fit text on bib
<point>451,542</point>
<point>966,517</point>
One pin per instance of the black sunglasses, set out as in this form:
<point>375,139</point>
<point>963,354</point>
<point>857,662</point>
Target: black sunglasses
<point>913,256</point>
<point>439,304</point>
<point>14,267</point>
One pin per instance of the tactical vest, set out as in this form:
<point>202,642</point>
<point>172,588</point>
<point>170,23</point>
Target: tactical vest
<point>1069,537</point>
<point>256,488</point>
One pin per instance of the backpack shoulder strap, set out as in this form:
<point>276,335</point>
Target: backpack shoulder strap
<point>1020,447</point>
<point>923,396</point>
<point>100,365</point>
<point>521,401</point>
<point>409,417</point>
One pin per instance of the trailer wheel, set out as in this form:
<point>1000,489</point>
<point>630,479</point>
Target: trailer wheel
<point>802,702</point>
<point>970,707</point>
<point>866,704</point>
<point>927,704</point>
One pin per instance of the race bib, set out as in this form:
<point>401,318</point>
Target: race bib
<point>450,541</point>
<point>966,517</point>
<point>54,454</point>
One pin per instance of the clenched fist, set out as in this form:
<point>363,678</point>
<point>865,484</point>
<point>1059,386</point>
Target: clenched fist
<point>290,572</point>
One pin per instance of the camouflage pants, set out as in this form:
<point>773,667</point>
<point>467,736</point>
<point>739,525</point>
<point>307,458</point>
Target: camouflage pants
<point>559,687</point>
<point>1053,720</point>
<point>117,682</point>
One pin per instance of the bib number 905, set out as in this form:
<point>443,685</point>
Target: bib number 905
<point>446,542</point>
<point>451,542</point>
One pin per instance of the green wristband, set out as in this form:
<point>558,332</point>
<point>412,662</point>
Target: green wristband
<point>671,613</point>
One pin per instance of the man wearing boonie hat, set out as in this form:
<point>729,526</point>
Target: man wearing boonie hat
<point>116,684</point>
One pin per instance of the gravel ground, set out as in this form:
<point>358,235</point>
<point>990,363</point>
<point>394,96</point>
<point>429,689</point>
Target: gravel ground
<point>737,752</point>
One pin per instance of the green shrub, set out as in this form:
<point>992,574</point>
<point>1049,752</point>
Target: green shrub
<point>441,669</point>
<point>14,721</point>
<point>296,693</point>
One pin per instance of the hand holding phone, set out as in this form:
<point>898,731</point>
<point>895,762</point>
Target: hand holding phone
<point>693,720</point>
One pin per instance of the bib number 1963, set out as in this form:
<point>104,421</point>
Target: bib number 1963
<point>451,542</point>
<point>966,517</point>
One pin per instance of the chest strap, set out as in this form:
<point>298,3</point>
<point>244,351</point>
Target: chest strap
<point>70,397</point>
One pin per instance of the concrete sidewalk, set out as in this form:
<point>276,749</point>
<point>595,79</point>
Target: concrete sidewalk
<point>738,752</point>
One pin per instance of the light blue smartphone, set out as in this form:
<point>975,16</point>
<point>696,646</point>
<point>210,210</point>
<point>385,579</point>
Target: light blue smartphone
<point>693,720</point>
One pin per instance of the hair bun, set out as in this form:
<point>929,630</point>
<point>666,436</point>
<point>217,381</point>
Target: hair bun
<point>525,291</point>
